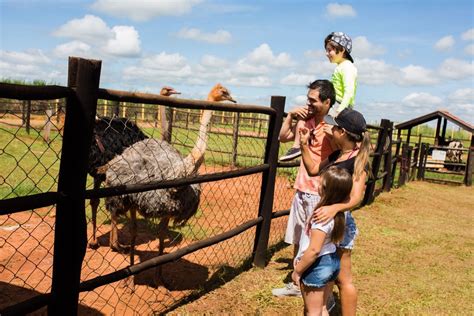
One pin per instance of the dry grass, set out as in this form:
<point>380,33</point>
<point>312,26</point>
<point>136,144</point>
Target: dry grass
<point>414,255</point>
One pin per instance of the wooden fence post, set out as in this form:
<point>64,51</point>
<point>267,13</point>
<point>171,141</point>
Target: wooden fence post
<point>408,165</point>
<point>47,125</point>
<point>381,139</point>
<point>262,233</point>
<point>28,116</point>
<point>469,167</point>
<point>235,138</point>
<point>425,159</point>
<point>421,158</point>
<point>416,153</point>
<point>403,165</point>
<point>397,159</point>
<point>70,235</point>
<point>387,180</point>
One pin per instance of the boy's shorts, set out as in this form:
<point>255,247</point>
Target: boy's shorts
<point>350,232</point>
<point>324,270</point>
<point>302,206</point>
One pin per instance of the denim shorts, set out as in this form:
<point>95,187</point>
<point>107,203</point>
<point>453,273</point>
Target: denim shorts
<point>350,232</point>
<point>324,270</point>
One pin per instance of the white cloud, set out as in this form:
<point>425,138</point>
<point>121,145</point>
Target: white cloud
<point>465,95</point>
<point>294,79</point>
<point>317,53</point>
<point>258,81</point>
<point>164,61</point>
<point>300,100</point>
<point>340,10</point>
<point>362,48</point>
<point>469,49</point>
<point>89,29</point>
<point>375,72</point>
<point>121,41</point>
<point>213,61</point>
<point>320,68</point>
<point>74,48</point>
<point>417,75</point>
<point>264,55</point>
<point>444,43</point>
<point>28,65</point>
<point>456,69</point>
<point>144,10</point>
<point>219,37</point>
<point>468,35</point>
<point>126,42</point>
<point>32,56</point>
<point>421,100</point>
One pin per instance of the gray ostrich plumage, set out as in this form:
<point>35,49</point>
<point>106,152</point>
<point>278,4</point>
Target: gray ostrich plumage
<point>147,161</point>
<point>152,160</point>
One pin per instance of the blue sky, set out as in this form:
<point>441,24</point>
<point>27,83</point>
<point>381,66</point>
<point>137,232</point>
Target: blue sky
<point>413,57</point>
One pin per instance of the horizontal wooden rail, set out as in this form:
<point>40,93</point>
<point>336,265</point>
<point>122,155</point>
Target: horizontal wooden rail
<point>148,98</point>
<point>280,213</point>
<point>26,203</point>
<point>448,148</point>
<point>24,92</point>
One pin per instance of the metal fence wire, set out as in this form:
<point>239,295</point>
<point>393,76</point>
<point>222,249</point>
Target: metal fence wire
<point>31,160</point>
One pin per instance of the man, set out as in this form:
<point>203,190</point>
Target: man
<point>321,96</point>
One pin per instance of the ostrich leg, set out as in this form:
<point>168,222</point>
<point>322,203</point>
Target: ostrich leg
<point>114,243</point>
<point>163,232</point>
<point>133,234</point>
<point>93,244</point>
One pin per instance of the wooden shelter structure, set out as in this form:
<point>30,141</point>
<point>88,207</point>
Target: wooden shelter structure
<point>442,117</point>
<point>422,150</point>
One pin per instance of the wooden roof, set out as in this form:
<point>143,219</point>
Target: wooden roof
<point>435,115</point>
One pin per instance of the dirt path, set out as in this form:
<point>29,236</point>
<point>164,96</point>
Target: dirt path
<point>414,256</point>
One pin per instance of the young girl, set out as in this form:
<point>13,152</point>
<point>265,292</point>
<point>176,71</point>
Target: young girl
<point>349,130</point>
<point>317,263</point>
<point>338,48</point>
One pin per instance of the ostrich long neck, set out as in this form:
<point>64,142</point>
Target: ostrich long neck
<point>194,160</point>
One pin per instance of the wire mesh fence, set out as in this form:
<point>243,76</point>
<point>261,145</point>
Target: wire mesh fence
<point>31,159</point>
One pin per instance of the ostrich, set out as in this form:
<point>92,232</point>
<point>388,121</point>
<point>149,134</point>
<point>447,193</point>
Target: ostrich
<point>154,160</point>
<point>111,136</point>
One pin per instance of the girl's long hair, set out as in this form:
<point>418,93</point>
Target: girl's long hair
<point>362,163</point>
<point>336,187</point>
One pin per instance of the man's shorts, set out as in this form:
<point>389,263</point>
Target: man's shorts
<point>302,207</point>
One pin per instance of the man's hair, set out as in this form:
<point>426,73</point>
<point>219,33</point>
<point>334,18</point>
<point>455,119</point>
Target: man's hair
<point>326,90</point>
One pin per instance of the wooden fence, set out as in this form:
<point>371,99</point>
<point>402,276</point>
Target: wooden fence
<point>70,228</point>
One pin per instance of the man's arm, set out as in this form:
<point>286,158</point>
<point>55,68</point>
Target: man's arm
<point>288,131</point>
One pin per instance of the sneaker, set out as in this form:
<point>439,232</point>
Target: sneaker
<point>330,303</point>
<point>290,289</point>
<point>292,153</point>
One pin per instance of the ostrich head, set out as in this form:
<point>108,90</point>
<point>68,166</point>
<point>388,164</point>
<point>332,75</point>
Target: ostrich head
<point>220,93</point>
<point>195,158</point>
<point>167,91</point>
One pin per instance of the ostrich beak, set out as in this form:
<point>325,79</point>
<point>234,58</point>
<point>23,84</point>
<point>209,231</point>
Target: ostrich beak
<point>231,99</point>
<point>172,91</point>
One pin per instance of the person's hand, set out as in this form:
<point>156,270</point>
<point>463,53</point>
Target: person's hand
<point>328,129</point>
<point>324,214</point>
<point>300,113</point>
<point>305,135</point>
<point>296,278</point>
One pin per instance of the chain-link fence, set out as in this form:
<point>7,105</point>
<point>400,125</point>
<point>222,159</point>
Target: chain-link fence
<point>227,199</point>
